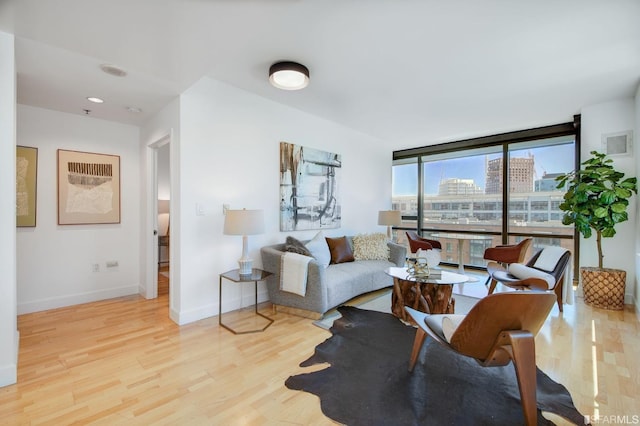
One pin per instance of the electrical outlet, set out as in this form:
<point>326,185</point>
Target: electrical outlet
<point>225,207</point>
<point>95,267</point>
<point>112,264</point>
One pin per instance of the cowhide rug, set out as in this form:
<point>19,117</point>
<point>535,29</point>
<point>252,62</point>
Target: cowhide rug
<point>368,382</point>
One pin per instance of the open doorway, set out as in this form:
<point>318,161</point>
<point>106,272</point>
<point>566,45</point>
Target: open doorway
<point>163,182</point>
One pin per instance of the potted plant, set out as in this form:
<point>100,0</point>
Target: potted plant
<point>596,200</point>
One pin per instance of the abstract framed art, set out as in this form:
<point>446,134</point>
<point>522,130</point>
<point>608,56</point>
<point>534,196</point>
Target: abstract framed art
<point>309,188</point>
<point>26,186</point>
<point>88,188</point>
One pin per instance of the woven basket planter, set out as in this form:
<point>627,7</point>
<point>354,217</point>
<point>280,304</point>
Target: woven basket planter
<point>604,288</point>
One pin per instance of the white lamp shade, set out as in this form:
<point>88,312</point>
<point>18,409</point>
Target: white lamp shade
<point>390,218</point>
<point>244,222</point>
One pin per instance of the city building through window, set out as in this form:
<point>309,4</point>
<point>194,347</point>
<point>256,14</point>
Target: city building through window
<point>488,191</point>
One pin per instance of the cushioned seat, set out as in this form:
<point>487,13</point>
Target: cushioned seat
<point>544,271</point>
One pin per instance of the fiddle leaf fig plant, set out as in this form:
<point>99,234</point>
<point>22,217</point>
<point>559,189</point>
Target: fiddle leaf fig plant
<point>597,198</point>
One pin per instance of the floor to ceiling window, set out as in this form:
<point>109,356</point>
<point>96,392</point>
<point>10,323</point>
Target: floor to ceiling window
<point>479,193</point>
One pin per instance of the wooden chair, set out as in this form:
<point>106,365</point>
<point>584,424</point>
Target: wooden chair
<point>550,279</point>
<point>499,329</point>
<point>417,242</point>
<point>507,254</point>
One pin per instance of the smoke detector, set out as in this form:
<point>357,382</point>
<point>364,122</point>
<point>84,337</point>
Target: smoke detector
<point>113,70</point>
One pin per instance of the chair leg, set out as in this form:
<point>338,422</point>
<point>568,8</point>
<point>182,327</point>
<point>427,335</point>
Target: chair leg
<point>417,345</point>
<point>492,287</point>
<point>524,361</point>
<point>558,290</point>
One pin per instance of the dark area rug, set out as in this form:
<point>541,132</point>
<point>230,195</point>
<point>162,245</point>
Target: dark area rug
<point>368,382</point>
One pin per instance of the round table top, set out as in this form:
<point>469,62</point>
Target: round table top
<point>447,278</point>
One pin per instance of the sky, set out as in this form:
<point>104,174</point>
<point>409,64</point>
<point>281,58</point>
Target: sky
<point>550,159</point>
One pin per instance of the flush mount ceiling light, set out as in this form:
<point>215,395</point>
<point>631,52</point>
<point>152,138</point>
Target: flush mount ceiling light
<point>289,75</point>
<point>95,100</point>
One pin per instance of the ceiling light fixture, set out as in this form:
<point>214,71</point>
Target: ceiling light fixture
<point>134,110</point>
<point>113,70</point>
<point>289,75</point>
<point>95,100</point>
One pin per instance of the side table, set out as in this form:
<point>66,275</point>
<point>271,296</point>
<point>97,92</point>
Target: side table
<point>234,276</point>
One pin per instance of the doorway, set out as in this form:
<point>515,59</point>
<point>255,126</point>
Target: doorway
<point>163,191</point>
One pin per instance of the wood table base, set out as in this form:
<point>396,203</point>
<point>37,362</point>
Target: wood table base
<point>425,297</point>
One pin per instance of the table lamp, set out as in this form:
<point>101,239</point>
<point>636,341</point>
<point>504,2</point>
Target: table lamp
<point>244,222</point>
<point>389,218</point>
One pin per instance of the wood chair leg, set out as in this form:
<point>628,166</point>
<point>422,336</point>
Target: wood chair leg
<point>524,361</point>
<point>558,290</point>
<point>417,345</point>
<point>492,287</point>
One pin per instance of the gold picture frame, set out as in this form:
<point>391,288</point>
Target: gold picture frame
<point>26,186</point>
<point>88,188</point>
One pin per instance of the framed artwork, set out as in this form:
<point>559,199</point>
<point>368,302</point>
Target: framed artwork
<point>26,185</point>
<point>88,188</point>
<point>309,188</point>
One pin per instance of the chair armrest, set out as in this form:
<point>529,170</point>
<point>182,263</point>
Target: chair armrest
<point>397,253</point>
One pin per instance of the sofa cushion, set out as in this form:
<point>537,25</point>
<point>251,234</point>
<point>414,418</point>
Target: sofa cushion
<point>340,250</point>
<point>370,247</point>
<point>294,245</point>
<point>319,249</point>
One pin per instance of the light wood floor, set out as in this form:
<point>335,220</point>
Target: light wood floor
<point>122,361</point>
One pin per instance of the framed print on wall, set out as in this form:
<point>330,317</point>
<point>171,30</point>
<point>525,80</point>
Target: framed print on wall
<point>26,185</point>
<point>309,188</point>
<point>88,188</point>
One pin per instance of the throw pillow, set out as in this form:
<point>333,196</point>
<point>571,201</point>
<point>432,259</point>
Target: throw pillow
<point>370,247</point>
<point>294,245</point>
<point>340,250</point>
<point>319,249</point>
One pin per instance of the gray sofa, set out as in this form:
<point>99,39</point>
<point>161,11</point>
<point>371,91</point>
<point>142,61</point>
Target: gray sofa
<point>331,286</point>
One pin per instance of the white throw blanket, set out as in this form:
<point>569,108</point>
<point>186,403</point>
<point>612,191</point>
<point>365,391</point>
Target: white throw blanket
<point>293,273</point>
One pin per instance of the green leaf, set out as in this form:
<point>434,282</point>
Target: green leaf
<point>608,197</point>
<point>601,212</point>
<point>618,207</point>
<point>608,232</point>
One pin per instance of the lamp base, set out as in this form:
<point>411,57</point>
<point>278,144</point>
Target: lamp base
<point>246,266</point>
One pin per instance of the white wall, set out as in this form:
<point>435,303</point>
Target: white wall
<point>8,324</point>
<point>229,153</point>
<point>619,252</point>
<point>54,264</point>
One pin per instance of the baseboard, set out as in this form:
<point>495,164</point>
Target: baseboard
<point>210,310</point>
<point>9,372</point>
<point>75,299</point>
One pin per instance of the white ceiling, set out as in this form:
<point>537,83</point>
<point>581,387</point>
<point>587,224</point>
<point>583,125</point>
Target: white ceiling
<point>410,72</point>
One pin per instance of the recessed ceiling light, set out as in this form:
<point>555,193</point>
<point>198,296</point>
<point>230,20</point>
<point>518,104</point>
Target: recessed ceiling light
<point>134,109</point>
<point>113,70</point>
<point>95,100</point>
<point>289,75</point>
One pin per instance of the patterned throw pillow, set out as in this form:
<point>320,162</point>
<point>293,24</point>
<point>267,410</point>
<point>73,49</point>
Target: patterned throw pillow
<point>370,247</point>
<point>294,245</point>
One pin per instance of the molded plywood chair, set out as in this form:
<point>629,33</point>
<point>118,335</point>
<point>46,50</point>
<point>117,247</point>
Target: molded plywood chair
<point>417,242</point>
<point>544,271</point>
<point>499,329</point>
<point>507,254</point>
